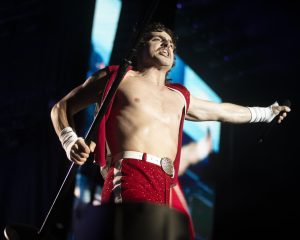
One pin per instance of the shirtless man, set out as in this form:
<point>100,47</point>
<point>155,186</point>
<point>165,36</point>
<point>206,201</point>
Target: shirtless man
<point>144,124</point>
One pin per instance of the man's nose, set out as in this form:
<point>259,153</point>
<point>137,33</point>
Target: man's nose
<point>166,43</point>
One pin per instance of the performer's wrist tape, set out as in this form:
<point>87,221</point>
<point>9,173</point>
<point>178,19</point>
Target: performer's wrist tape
<point>67,138</point>
<point>262,114</point>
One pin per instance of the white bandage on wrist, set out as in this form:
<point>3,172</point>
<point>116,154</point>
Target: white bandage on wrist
<point>67,138</point>
<point>262,114</point>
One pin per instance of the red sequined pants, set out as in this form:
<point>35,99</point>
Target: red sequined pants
<point>131,180</point>
<point>138,181</point>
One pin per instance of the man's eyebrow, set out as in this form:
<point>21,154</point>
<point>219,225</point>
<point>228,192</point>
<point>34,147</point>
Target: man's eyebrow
<point>162,37</point>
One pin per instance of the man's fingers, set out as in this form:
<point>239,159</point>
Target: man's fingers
<point>281,117</point>
<point>82,146</point>
<point>92,146</point>
<point>77,158</point>
<point>279,109</point>
<point>80,151</point>
<point>286,109</point>
<point>83,155</point>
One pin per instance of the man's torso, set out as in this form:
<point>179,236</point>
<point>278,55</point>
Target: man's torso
<point>145,118</point>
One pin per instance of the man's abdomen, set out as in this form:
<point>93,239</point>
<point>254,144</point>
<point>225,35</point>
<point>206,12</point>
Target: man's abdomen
<point>143,135</point>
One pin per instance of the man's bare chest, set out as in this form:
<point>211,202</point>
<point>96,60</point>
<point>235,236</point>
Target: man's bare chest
<point>153,100</point>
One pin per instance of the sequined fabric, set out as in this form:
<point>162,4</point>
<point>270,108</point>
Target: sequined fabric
<point>136,181</point>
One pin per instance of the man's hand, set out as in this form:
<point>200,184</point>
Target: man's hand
<point>282,110</point>
<point>80,151</point>
<point>267,114</point>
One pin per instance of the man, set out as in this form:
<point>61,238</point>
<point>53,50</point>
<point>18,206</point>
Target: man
<point>142,129</point>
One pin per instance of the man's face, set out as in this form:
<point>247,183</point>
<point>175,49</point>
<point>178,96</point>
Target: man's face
<point>159,49</point>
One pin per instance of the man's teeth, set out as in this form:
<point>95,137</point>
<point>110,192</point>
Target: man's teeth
<point>165,53</point>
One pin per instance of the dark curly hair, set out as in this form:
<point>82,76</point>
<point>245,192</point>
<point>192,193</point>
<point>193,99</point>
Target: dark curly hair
<point>153,27</point>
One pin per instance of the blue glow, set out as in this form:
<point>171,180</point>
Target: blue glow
<point>179,5</point>
<point>177,72</point>
<point>105,24</point>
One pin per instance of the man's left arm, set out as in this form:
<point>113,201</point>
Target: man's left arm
<point>203,110</point>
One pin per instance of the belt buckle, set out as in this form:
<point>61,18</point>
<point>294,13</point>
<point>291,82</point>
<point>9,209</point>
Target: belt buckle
<point>167,166</point>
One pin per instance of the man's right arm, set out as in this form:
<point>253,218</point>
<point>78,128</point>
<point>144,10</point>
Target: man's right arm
<point>62,114</point>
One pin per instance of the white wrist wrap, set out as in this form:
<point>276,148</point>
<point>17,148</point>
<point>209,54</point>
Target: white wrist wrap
<point>262,114</point>
<point>67,138</point>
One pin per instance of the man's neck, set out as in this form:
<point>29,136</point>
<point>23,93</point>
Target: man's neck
<point>153,75</point>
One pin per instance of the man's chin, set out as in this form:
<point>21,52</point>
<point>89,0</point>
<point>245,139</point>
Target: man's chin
<point>166,66</point>
<point>166,62</point>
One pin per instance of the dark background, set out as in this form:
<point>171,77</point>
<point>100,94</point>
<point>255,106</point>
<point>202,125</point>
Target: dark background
<point>248,51</point>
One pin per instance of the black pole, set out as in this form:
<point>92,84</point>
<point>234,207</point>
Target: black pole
<point>103,108</point>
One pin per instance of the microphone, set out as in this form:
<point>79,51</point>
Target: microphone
<point>286,102</point>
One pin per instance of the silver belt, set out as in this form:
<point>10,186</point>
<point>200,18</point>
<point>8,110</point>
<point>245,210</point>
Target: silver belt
<point>165,163</point>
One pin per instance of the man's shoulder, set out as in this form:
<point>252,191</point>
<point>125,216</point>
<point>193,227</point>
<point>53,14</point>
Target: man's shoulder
<point>107,70</point>
<point>114,68</point>
<point>177,86</point>
<point>182,89</point>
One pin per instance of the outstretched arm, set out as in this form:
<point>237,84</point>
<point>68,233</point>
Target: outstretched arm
<point>203,110</point>
<point>62,115</point>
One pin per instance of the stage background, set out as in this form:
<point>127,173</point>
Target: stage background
<point>246,51</point>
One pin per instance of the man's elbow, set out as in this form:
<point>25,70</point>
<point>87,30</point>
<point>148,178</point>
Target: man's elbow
<point>57,109</point>
<point>54,112</point>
